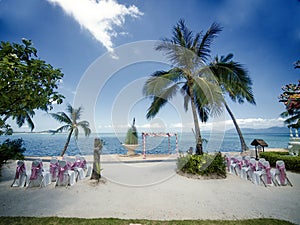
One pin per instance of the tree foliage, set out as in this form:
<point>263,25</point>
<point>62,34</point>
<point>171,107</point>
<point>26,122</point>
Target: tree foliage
<point>27,83</point>
<point>190,76</point>
<point>291,99</point>
<point>11,149</point>
<point>132,135</point>
<point>71,124</point>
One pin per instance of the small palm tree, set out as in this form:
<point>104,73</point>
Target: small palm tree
<point>234,80</point>
<point>189,75</point>
<point>71,124</point>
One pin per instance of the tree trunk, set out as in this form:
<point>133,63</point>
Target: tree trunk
<point>199,147</point>
<point>96,174</point>
<point>67,143</point>
<point>244,147</point>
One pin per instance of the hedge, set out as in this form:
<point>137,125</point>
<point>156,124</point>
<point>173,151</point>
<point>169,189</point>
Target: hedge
<point>204,165</point>
<point>291,162</point>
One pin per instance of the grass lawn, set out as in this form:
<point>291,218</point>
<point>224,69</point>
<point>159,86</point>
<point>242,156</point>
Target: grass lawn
<point>113,221</point>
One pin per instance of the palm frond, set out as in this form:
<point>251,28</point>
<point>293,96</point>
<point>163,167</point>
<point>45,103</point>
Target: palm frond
<point>61,117</point>
<point>208,95</point>
<point>63,128</point>
<point>204,48</point>
<point>160,80</point>
<point>234,79</point>
<point>76,132</point>
<point>85,126</point>
<point>155,106</point>
<point>159,101</point>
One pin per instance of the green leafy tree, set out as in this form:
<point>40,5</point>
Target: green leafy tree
<point>27,83</point>
<point>71,124</point>
<point>291,99</point>
<point>234,80</point>
<point>11,149</point>
<point>189,75</point>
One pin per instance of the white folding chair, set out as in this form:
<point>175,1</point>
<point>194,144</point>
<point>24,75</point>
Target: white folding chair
<point>53,168</point>
<point>245,168</point>
<point>20,179</point>
<point>38,177</point>
<point>279,175</point>
<point>65,176</point>
<point>236,165</point>
<point>266,175</point>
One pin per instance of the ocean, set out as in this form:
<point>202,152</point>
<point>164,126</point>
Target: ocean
<point>45,144</point>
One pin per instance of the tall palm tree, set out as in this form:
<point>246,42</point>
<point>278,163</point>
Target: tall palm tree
<point>71,124</point>
<point>188,53</point>
<point>234,80</point>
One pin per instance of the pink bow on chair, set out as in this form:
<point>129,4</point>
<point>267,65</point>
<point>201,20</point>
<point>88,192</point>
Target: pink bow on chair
<point>61,171</point>
<point>228,162</point>
<point>20,169</point>
<point>53,167</point>
<point>240,164</point>
<point>252,167</point>
<point>269,176</point>
<point>34,172</point>
<point>282,175</point>
<point>82,164</point>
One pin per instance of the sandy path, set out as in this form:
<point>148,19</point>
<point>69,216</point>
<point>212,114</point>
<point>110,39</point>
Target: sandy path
<point>152,190</point>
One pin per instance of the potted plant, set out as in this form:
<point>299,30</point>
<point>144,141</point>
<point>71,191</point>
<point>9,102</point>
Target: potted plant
<point>131,141</point>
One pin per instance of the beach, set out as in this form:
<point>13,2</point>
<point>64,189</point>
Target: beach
<point>151,189</point>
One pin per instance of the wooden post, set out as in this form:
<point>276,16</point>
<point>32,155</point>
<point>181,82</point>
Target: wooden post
<point>96,174</point>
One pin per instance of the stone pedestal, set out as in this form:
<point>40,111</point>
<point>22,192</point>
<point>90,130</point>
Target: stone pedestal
<point>130,149</point>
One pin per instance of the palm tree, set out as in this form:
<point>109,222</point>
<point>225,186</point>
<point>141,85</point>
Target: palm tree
<point>188,53</point>
<point>234,80</point>
<point>71,124</point>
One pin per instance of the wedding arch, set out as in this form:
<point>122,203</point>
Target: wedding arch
<point>169,135</point>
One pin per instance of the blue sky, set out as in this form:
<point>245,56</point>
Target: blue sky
<point>76,36</point>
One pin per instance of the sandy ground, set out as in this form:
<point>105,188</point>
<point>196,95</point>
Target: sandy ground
<point>151,190</point>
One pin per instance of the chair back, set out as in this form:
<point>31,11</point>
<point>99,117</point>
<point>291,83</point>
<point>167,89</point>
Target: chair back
<point>20,169</point>
<point>62,169</point>
<point>280,166</point>
<point>53,167</point>
<point>252,165</point>
<point>260,165</point>
<point>267,169</point>
<point>36,169</point>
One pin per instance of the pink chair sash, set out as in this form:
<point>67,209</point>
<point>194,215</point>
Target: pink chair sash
<point>239,164</point>
<point>53,168</point>
<point>269,176</point>
<point>19,170</point>
<point>228,160</point>
<point>61,171</point>
<point>83,164</point>
<point>252,167</point>
<point>247,163</point>
<point>260,165</point>
<point>282,174</point>
<point>35,171</point>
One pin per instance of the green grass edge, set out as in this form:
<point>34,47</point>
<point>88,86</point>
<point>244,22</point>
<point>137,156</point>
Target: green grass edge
<point>114,221</point>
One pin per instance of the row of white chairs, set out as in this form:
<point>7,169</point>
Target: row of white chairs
<point>258,171</point>
<point>65,172</point>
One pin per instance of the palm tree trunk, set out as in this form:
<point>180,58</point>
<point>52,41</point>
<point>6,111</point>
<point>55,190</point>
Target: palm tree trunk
<point>67,143</point>
<point>244,147</point>
<point>199,147</point>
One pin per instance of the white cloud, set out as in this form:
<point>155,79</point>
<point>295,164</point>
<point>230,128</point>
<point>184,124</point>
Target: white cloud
<point>99,17</point>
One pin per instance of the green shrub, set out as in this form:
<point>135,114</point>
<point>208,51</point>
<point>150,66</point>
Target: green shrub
<point>291,162</point>
<point>132,135</point>
<point>204,165</point>
<point>11,149</point>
